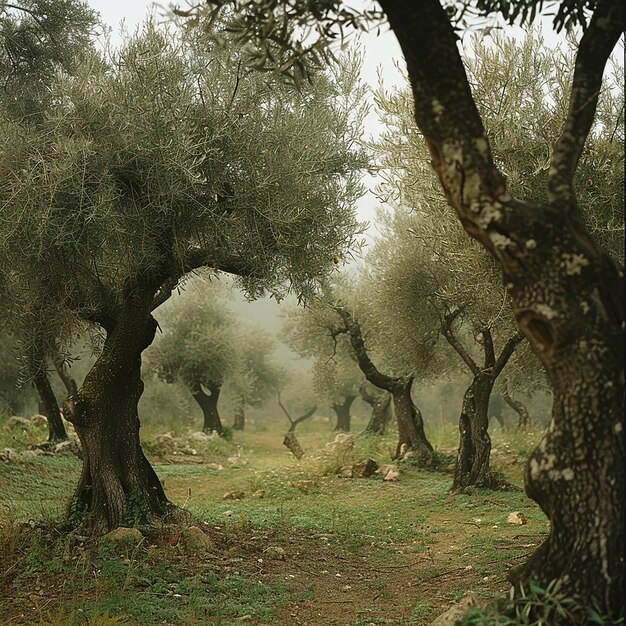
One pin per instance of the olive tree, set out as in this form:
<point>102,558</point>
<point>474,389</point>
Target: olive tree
<point>453,275</point>
<point>38,40</point>
<point>566,290</point>
<point>257,376</point>
<point>310,332</point>
<point>162,157</point>
<point>197,347</point>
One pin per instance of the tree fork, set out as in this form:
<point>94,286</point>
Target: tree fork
<point>567,295</point>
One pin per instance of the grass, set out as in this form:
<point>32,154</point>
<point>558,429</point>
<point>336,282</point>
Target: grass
<point>301,545</point>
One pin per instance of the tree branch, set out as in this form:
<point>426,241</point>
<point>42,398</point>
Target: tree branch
<point>605,27</point>
<point>507,351</point>
<point>302,418</point>
<point>364,362</point>
<point>490,355</point>
<point>446,331</point>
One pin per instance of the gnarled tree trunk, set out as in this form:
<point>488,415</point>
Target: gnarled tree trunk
<point>410,423</point>
<point>49,404</point>
<point>239,422</point>
<point>519,407</point>
<point>208,404</point>
<point>409,418</point>
<point>472,463</point>
<point>342,409</point>
<point>567,295</point>
<point>118,486</point>
<point>381,410</point>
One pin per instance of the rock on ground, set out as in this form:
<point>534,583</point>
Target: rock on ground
<point>455,613</point>
<point>124,535</point>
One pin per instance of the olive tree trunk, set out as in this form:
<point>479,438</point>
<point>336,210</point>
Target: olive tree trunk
<point>381,410</point>
<point>409,418</point>
<point>49,404</point>
<point>208,404</point>
<point>472,463</point>
<point>567,295</point>
<point>118,486</point>
<point>239,422</point>
<point>519,407</point>
<point>410,423</point>
<point>342,409</point>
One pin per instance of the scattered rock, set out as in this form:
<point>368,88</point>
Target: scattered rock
<point>237,459</point>
<point>69,446</point>
<point>165,443</point>
<point>259,493</point>
<point>125,535</point>
<point>392,475</point>
<point>516,518</point>
<point>455,613</point>
<point>364,469</point>
<point>215,466</point>
<point>194,539</point>
<point>28,455</point>
<point>199,436</point>
<point>39,420</point>
<point>233,495</point>
<point>9,455</point>
<point>389,473</point>
<point>19,422</point>
<point>346,471</point>
<point>304,485</point>
<point>275,552</point>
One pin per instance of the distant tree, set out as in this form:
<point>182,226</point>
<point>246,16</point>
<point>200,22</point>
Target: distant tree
<point>256,376</point>
<point>197,347</point>
<point>310,332</point>
<point>408,416</point>
<point>164,157</point>
<point>380,401</point>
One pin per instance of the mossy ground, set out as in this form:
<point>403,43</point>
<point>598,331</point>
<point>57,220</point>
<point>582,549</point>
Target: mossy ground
<point>301,546</point>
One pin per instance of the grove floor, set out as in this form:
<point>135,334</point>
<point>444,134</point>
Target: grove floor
<point>291,543</point>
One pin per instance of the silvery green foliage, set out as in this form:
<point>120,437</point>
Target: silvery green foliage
<point>311,332</point>
<point>424,265</point>
<point>166,155</point>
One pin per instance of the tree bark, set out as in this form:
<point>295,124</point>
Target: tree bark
<point>118,486</point>
<point>56,428</point>
<point>410,423</point>
<point>64,375</point>
<point>567,295</point>
<point>409,418</point>
<point>381,410</point>
<point>240,418</point>
<point>472,464</point>
<point>342,409</point>
<point>208,404</point>
<point>519,407</point>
